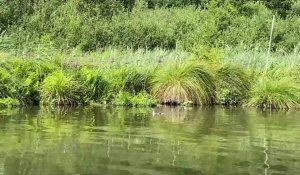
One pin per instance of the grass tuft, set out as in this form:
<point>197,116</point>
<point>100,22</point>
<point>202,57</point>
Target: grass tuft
<point>275,92</point>
<point>180,83</point>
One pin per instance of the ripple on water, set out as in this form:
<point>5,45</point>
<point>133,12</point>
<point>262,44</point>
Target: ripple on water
<point>243,164</point>
<point>117,142</point>
<point>279,168</point>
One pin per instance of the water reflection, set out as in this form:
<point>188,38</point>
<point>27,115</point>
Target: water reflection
<point>107,140</point>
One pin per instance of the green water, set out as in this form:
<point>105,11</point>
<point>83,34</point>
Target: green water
<point>120,141</point>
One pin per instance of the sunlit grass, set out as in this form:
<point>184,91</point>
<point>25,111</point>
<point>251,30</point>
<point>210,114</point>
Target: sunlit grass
<point>180,83</point>
<point>61,89</point>
<point>273,90</point>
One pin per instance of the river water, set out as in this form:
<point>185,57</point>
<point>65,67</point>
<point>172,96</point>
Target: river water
<point>133,141</point>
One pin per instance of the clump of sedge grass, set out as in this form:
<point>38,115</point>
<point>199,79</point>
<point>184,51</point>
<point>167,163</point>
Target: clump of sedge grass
<point>181,83</point>
<point>275,91</point>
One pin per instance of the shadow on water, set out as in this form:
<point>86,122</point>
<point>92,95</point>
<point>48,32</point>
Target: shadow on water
<point>129,141</point>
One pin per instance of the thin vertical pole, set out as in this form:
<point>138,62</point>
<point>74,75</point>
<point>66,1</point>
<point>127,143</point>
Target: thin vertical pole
<point>271,34</point>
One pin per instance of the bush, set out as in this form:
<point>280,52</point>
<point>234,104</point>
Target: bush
<point>91,25</point>
<point>29,74</point>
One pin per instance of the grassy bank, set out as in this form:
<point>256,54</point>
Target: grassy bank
<point>147,78</point>
<point>149,52</point>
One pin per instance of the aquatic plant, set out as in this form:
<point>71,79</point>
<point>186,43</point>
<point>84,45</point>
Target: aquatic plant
<point>61,89</point>
<point>179,83</point>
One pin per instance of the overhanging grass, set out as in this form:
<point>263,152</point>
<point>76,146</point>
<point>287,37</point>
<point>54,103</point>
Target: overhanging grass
<point>180,83</point>
<point>275,91</point>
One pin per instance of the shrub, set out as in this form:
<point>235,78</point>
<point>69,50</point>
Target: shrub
<point>143,99</point>
<point>123,99</point>
<point>28,76</point>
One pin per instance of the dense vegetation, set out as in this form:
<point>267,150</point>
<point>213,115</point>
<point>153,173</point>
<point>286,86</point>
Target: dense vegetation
<point>173,52</point>
<point>191,25</point>
<point>133,80</point>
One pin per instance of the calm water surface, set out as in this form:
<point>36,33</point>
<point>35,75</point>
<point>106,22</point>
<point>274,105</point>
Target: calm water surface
<point>120,141</point>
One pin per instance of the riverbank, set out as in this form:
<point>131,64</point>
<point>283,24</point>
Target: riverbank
<point>148,78</point>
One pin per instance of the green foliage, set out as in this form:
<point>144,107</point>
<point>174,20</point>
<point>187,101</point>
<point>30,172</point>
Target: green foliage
<point>124,98</point>
<point>282,7</point>
<point>8,102</point>
<point>137,81</point>
<point>61,89</point>
<point>127,79</point>
<point>144,78</point>
<point>29,74</point>
<point>207,53</point>
<point>295,11</point>
<point>233,84</point>
<point>275,90</point>
<point>95,85</point>
<point>179,83</point>
<point>91,25</point>
<point>5,82</point>
<point>21,78</point>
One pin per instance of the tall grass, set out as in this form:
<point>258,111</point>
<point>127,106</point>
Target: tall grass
<point>5,81</point>
<point>94,83</point>
<point>233,84</point>
<point>258,60</point>
<point>115,77</point>
<point>275,90</point>
<point>59,89</point>
<point>180,83</point>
